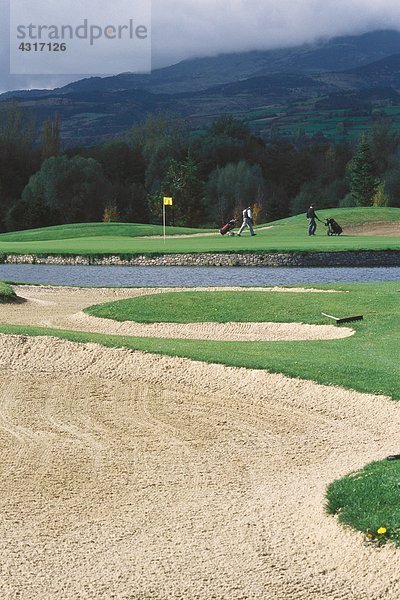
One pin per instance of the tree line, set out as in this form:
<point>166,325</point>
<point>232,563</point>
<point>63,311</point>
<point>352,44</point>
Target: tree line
<point>211,174</point>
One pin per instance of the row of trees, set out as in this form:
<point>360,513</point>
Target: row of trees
<point>211,175</point>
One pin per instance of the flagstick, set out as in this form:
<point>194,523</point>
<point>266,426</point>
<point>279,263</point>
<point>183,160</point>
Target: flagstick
<point>164,219</point>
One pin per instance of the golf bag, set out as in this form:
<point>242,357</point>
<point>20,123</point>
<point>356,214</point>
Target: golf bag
<point>333,227</point>
<point>227,227</point>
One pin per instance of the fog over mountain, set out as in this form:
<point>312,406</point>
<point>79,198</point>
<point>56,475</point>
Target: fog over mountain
<point>188,28</point>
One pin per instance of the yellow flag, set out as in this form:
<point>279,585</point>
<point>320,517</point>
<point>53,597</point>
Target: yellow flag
<point>167,201</point>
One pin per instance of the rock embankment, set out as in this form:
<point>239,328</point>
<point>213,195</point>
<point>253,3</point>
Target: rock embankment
<point>388,258</point>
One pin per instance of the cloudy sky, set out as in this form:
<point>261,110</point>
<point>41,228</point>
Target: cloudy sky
<point>188,28</point>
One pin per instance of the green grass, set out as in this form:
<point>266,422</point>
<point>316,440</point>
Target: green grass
<point>289,119</point>
<point>287,235</point>
<point>367,361</point>
<point>89,230</point>
<point>368,500</point>
<point>6,292</point>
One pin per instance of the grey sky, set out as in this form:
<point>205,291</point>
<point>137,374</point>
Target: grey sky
<point>188,28</point>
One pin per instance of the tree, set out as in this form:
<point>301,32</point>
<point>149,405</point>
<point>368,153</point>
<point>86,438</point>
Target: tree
<point>380,197</point>
<point>310,192</point>
<point>124,167</point>
<point>160,139</point>
<point>19,158</point>
<point>25,214</point>
<point>229,126</point>
<point>73,190</point>
<point>185,187</point>
<point>277,204</point>
<point>392,187</point>
<point>134,207</point>
<point>363,182</point>
<point>232,187</point>
<point>51,140</point>
<point>111,214</point>
<point>383,142</point>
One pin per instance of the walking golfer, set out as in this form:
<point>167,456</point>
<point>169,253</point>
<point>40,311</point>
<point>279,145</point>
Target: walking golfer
<point>311,216</point>
<point>247,221</point>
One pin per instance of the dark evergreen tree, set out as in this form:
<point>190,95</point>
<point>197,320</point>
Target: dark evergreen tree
<point>51,137</point>
<point>383,142</point>
<point>19,158</point>
<point>277,204</point>
<point>363,182</point>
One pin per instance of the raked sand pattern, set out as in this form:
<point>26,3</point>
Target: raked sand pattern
<point>61,307</point>
<point>133,476</point>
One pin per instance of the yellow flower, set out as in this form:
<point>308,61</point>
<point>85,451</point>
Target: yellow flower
<point>382,530</point>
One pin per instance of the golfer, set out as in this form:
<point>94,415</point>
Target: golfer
<point>247,221</point>
<point>311,216</point>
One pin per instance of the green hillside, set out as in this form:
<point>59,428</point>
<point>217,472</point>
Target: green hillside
<point>336,72</point>
<point>82,230</point>
<point>287,235</point>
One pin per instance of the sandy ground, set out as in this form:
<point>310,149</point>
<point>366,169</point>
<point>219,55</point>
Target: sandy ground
<point>215,233</point>
<point>132,476</point>
<point>381,228</point>
<point>385,228</point>
<point>61,307</point>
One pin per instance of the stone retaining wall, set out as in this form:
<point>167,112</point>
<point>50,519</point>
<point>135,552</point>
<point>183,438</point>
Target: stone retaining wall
<point>300,259</point>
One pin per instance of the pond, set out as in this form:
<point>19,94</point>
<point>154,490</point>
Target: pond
<point>192,276</point>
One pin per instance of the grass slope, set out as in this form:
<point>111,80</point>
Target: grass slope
<point>6,292</point>
<point>369,500</point>
<point>79,230</point>
<point>367,361</point>
<point>287,235</point>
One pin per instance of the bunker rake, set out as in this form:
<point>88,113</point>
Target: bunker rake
<point>339,320</point>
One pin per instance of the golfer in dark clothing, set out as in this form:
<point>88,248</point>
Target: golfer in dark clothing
<point>247,221</point>
<point>311,216</point>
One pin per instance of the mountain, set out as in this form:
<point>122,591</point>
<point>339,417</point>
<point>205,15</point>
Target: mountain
<point>341,72</point>
<point>197,74</point>
<point>382,72</point>
<point>193,75</point>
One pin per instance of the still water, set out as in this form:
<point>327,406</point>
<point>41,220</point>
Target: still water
<point>192,276</point>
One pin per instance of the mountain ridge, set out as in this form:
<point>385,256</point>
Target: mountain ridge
<point>95,109</point>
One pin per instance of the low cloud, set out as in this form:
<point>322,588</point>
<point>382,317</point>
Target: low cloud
<point>189,28</point>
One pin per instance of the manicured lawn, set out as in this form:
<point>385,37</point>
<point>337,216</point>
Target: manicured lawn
<point>287,235</point>
<point>367,361</point>
<point>369,500</point>
<point>79,230</point>
<point>6,292</point>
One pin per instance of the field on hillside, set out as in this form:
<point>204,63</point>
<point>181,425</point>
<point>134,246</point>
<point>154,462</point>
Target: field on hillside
<point>336,124</point>
<point>286,235</point>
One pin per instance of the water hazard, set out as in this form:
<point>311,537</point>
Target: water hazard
<point>192,276</point>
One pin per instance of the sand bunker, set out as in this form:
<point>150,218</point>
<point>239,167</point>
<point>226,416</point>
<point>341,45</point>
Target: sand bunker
<point>134,476</point>
<point>194,235</point>
<point>232,332</point>
<point>390,229</point>
<point>62,308</point>
<point>129,475</point>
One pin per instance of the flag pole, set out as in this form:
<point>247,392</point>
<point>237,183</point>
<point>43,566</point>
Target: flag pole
<point>166,202</point>
<point>164,218</point>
